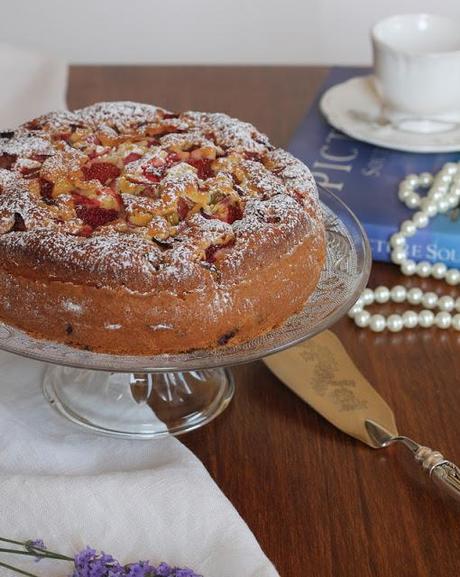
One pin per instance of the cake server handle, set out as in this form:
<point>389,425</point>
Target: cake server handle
<point>443,472</point>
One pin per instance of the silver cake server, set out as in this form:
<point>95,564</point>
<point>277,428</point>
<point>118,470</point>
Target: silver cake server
<point>321,373</point>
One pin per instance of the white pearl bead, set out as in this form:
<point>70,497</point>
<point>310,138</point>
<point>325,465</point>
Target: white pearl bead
<point>425,318</point>
<point>367,297</point>
<point>446,303</point>
<point>456,322</point>
<point>443,205</point>
<point>436,193</point>
<point>452,200</point>
<point>423,269</point>
<point>413,200</point>
<point>429,300</point>
<point>408,267</point>
<point>394,323</point>
<point>414,296</point>
<point>377,323</point>
<point>450,168</point>
<point>439,270</point>
<point>429,207</point>
<point>452,276</point>
<point>398,294</point>
<point>411,180</point>
<point>382,294</point>
<point>408,228</point>
<point>455,190</point>
<point>410,319</point>
<point>443,320</point>
<point>362,319</point>
<point>420,219</point>
<point>444,177</point>
<point>425,179</point>
<point>397,240</point>
<point>443,194</point>
<point>404,192</point>
<point>355,309</point>
<point>398,255</point>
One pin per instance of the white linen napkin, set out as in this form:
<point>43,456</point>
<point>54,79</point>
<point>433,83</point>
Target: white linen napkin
<point>32,84</point>
<point>137,500</point>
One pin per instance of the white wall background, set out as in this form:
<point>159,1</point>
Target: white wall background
<point>204,31</point>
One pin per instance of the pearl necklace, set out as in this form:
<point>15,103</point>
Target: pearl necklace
<point>443,195</point>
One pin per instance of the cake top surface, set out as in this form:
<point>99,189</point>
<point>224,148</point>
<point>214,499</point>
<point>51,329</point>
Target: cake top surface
<point>130,190</point>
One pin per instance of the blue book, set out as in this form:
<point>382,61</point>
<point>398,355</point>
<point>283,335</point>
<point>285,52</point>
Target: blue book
<point>367,178</point>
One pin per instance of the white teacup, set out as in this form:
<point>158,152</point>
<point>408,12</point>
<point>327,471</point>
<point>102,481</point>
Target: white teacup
<point>417,70</point>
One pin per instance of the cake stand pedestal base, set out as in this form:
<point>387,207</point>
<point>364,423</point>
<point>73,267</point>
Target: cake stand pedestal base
<point>138,405</point>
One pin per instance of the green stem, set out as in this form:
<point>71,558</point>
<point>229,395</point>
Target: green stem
<point>14,542</point>
<point>39,554</point>
<point>11,568</point>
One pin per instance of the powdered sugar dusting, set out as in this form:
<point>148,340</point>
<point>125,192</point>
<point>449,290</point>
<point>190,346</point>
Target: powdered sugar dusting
<point>240,187</point>
<point>72,307</point>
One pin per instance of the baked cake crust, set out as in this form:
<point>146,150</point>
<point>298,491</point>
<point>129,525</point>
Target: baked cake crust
<point>128,229</point>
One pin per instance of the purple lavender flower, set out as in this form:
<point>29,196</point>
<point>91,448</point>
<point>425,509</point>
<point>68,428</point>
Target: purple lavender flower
<point>163,570</point>
<point>140,569</point>
<point>185,572</point>
<point>36,546</point>
<point>88,563</point>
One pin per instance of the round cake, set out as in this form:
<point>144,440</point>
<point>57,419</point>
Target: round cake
<point>128,229</point>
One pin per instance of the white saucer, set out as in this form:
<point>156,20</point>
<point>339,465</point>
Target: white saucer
<point>354,107</point>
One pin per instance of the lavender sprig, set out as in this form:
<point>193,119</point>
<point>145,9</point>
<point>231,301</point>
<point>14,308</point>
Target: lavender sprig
<point>90,563</point>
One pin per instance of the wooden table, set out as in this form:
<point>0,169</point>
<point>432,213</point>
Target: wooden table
<point>320,504</point>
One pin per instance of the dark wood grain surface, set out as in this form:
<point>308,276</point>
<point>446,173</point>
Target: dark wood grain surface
<point>320,504</point>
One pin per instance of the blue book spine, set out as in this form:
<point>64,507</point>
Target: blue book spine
<point>367,178</point>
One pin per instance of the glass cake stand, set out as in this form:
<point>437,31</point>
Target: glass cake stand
<point>146,397</point>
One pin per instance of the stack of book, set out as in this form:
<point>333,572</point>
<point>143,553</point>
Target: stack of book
<point>367,177</point>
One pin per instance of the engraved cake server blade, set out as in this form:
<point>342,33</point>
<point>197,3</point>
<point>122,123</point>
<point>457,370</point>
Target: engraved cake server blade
<point>321,373</point>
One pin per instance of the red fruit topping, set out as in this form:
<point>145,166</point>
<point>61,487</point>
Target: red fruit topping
<point>7,160</point>
<point>183,208</point>
<point>40,157</point>
<point>104,172</point>
<point>229,213</point>
<point>46,188</point>
<point>172,158</point>
<point>203,166</point>
<point>33,124</point>
<point>19,223</point>
<point>95,216</point>
<point>85,230</point>
<point>213,249</point>
<point>132,156</point>
<point>299,196</point>
<point>29,172</point>
<point>210,252</point>
<point>234,212</point>
<point>150,192</point>
<point>252,156</point>
<point>157,162</point>
<point>81,200</point>
<point>167,115</point>
<point>62,136</point>
<point>152,173</point>
<point>93,139</point>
